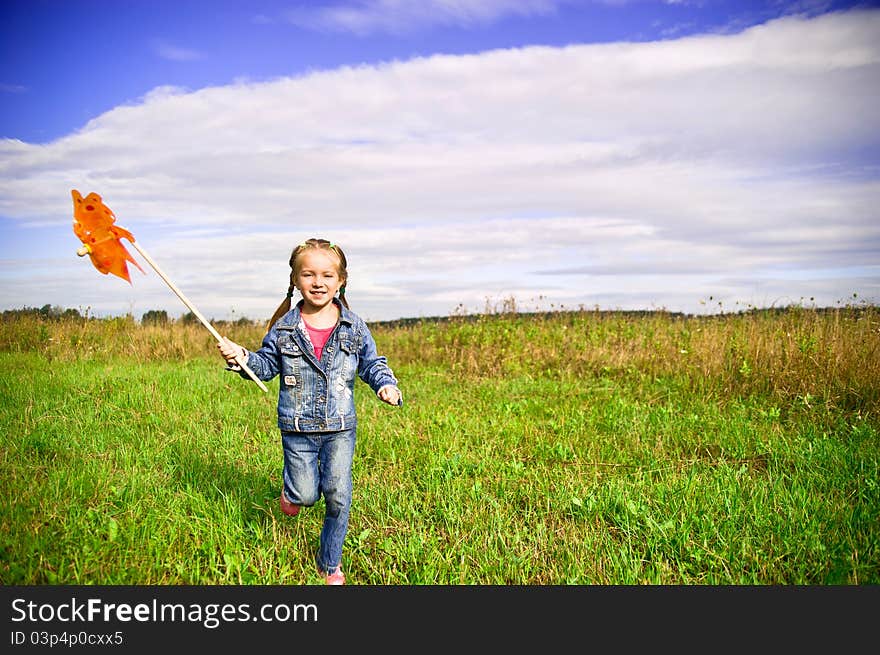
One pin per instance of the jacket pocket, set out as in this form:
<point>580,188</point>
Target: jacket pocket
<point>291,363</point>
<point>347,346</point>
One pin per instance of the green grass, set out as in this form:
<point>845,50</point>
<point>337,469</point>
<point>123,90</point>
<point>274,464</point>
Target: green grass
<point>531,469</point>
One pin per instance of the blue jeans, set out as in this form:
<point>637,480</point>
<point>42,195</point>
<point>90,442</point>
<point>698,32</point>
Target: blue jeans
<point>315,464</point>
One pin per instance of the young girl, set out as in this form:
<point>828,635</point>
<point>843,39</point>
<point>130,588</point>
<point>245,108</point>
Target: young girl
<point>317,348</point>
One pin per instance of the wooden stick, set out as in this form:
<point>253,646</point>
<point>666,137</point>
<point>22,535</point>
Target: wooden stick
<point>197,313</point>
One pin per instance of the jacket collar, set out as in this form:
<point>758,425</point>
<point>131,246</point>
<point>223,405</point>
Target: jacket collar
<point>291,319</point>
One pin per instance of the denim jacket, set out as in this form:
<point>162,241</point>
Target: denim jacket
<point>318,396</point>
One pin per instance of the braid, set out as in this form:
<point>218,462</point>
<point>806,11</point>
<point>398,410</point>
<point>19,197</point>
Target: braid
<point>284,307</point>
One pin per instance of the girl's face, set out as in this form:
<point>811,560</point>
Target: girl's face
<point>318,278</point>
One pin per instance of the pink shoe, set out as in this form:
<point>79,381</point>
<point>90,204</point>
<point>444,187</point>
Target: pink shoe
<point>337,577</point>
<point>288,507</point>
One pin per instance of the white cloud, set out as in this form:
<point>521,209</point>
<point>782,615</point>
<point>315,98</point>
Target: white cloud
<point>629,175</point>
<point>173,52</point>
<point>406,16</point>
<point>13,88</point>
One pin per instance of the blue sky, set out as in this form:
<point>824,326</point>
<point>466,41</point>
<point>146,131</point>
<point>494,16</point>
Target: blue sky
<point>621,154</point>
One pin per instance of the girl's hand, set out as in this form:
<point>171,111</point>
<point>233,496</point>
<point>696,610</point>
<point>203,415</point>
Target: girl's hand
<point>390,395</point>
<point>229,350</point>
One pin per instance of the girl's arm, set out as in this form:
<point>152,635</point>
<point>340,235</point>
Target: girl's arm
<point>374,370</point>
<point>264,363</point>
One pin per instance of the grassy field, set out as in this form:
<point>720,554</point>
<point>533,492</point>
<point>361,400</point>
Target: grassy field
<point>561,448</point>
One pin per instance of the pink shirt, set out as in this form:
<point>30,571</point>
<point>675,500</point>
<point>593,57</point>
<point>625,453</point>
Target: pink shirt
<point>319,338</point>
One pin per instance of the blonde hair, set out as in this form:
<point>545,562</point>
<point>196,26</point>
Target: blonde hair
<point>295,266</point>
